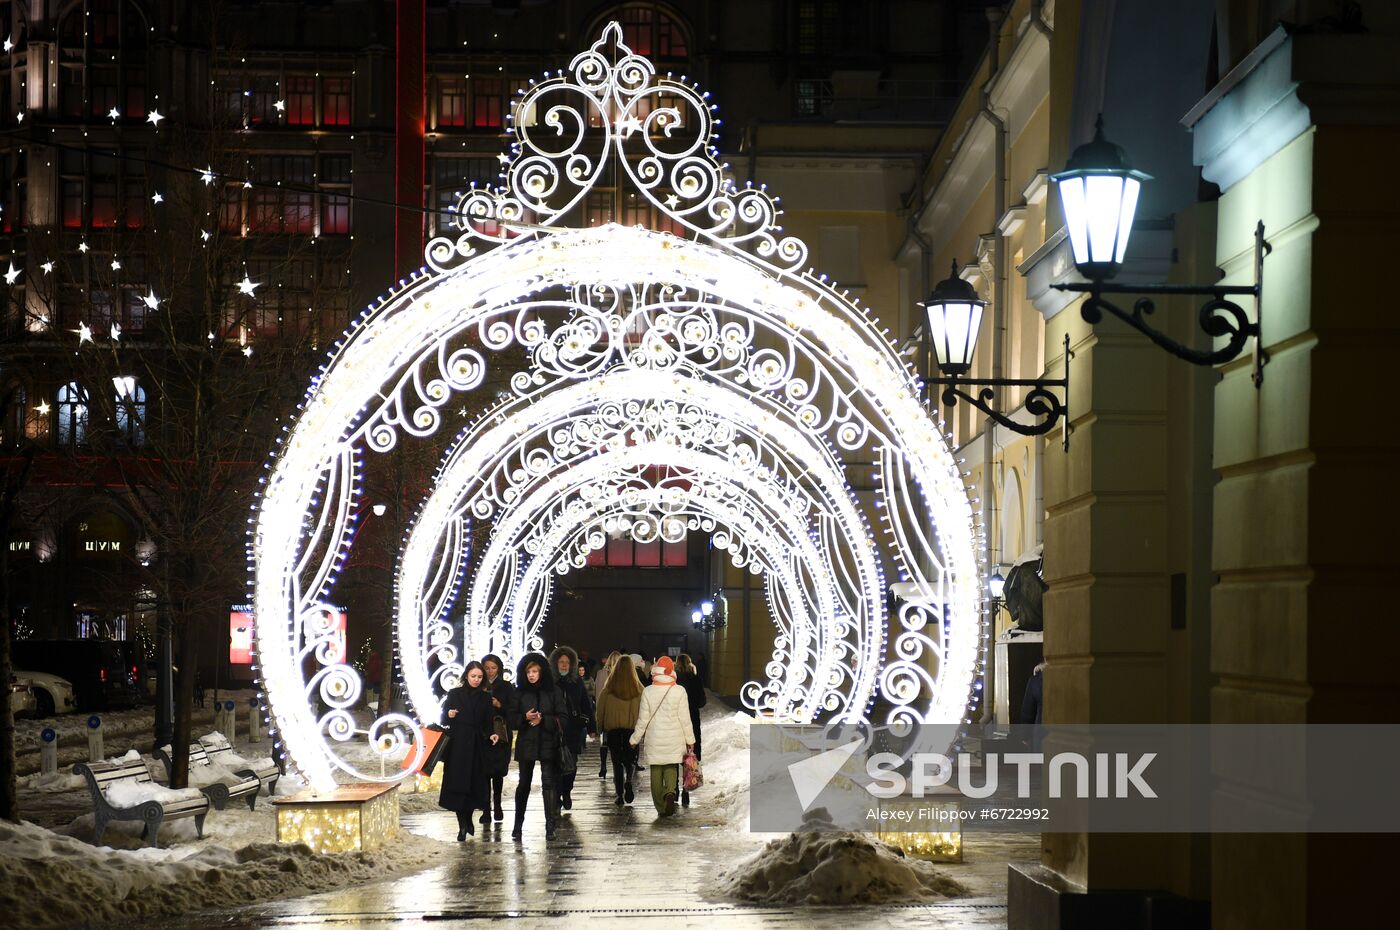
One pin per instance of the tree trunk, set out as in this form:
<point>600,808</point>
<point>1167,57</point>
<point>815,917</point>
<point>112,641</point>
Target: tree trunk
<point>386,670</point>
<point>184,699</point>
<point>9,791</point>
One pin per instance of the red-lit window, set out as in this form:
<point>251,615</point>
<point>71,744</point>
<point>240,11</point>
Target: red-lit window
<point>486,102</point>
<point>335,101</point>
<point>647,554</point>
<point>301,100</point>
<point>451,102</point>
<point>231,208</point>
<point>675,554</point>
<point>72,203</point>
<point>653,34</point>
<point>104,203</point>
<point>335,214</point>
<point>104,25</point>
<point>625,553</point>
<point>135,94</point>
<point>103,92</point>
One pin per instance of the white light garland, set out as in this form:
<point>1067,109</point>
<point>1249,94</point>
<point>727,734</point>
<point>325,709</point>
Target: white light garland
<point>723,333</point>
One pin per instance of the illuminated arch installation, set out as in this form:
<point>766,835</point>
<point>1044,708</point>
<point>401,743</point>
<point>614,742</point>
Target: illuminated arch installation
<point>691,380</point>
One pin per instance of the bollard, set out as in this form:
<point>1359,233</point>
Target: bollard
<point>95,753</point>
<point>48,751</point>
<point>230,728</point>
<point>219,717</point>
<point>255,733</point>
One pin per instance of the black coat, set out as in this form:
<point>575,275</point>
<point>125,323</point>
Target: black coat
<point>464,782</point>
<point>695,692</point>
<point>537,743</point>
<point>578,713</point>
<point>498,756</point>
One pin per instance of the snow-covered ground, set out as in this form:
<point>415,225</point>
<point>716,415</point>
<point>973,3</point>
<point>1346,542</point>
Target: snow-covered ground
<point>57,877</point>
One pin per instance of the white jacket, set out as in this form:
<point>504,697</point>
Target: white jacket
<point>663,725</point>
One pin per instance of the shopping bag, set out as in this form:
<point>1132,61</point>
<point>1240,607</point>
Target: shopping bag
<point>568,761</point>
<point>691,775</point>
<point>435,743</point>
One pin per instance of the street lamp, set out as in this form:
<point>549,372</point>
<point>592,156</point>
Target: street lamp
<point>1099,193</point>
<point>707,608</point>
<point>996,585</point>
<point>952,318</point>
<point>696,618</point>
<point>379,509</point>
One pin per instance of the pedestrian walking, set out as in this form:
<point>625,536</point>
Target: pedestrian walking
<point>600,681</point>
<point>538,720</point>
<point>619,703</point>
<point>578,714</point>
<point>466,713</point>
<point>688,677</point>
<point>664,732</point>
<point>498,756</point>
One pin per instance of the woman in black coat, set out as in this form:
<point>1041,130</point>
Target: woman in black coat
<point>466,713</point>
<point>538,719</point>
<point>498,756</point>
<point>688,677</point>
<point>578,713</point>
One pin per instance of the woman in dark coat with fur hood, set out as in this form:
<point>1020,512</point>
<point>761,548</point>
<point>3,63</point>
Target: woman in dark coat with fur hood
<point>578,715</point>
<point>538,718</point>
<point>466,713</point>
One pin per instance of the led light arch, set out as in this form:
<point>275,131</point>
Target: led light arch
<point>616,315</point>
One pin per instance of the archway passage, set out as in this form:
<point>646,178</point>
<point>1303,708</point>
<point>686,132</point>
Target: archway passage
<point>668,383</point>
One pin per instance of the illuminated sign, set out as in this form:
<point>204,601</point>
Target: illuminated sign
<point>240,637</point>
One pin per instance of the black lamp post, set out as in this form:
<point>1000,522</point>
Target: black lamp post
<point>952,318</point>
<point>1099,193</point>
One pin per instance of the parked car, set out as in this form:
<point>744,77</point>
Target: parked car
<point>21,699</point>
<point>51,694</point>
<point>105,674</point>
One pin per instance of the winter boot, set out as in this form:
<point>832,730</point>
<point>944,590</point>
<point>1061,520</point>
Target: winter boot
<point>519,825</point>
<point>628,794</point>
<point>685,798</point>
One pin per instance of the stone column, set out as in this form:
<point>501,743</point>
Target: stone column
<point>1301,136</point>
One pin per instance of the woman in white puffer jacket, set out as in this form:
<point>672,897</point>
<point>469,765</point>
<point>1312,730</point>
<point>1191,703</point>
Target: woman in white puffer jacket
<point>664,731</point>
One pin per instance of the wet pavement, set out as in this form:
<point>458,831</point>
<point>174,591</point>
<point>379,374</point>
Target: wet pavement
<point>609,862</point>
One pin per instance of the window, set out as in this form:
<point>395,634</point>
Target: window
<point>451,102</point>
<point>487,104</point>
<point>130,411</point>
<point>301,100</point>
<point>104,90</point>
<point>598,209</point>
<point>70,91</point>
<point>653,33</point>
<point>135,93</point>
<point>624,552</point>
<point>333,180</point>
<point>260,100</point>
<point>72,415</point>
<point>281,198</point>
<point>335,101</point>
<point>453,175</point>
<point>16,413</point>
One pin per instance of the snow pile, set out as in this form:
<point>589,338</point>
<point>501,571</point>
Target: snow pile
<point>128,793</point>
<point>724,744</point>
<point>835,868</point>
<point>50,880</point>
<point>49,784</point>
<point>216,741</point>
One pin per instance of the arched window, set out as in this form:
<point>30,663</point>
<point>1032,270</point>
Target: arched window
<point>72,415</point>
<point>130,411</point>
<point>653,32</point>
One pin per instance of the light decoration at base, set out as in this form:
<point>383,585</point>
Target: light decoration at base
<point>693,380</point>
<point>352,818</point>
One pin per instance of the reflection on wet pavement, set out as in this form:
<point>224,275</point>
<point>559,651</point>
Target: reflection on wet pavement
<point>610,862</point>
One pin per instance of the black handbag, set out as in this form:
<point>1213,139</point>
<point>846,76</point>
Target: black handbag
<point>436,750</point>
<point>568,761</point>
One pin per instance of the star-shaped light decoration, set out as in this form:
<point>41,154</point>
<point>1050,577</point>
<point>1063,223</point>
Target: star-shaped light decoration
<point>114,114</point>
<point>207,176</point>
<point>247,185</point>
<point>47,267</point>
<point>157,197</point>
<point>211,337</point>
<point>84,334</point>
<point>83,247</point>
<point>116,332</point>
<point>116,264</point>
<point>504,158</point>
<point>672,201</point>
<point>154,118</point>
<point>247,286</point>
<point>628,126</point>
<point>204,235</point>
<point>280,106</point>
<point>9,44</point>
<point>12,275</point>
<point>248,351</point>
<point>151,300</point>
<point>20,116</point>
<point>42,409</point>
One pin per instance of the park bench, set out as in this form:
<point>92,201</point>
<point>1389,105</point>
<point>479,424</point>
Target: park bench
<point>219,794</point>
<point>103,775</point>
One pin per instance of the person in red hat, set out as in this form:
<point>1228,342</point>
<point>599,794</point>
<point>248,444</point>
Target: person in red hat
<point>665,734</point>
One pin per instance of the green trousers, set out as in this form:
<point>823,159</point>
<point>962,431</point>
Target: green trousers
<point>664,781</point>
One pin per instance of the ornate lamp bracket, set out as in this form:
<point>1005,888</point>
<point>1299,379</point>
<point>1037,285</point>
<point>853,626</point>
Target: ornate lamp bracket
<point>1219,315</point>
<point>1041,402</point>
